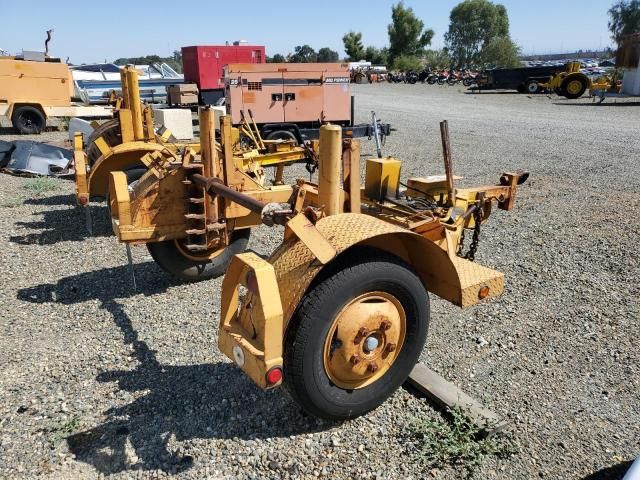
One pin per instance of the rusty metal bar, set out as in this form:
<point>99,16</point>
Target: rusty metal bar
<point>448,168</point>
<point>215,186</point>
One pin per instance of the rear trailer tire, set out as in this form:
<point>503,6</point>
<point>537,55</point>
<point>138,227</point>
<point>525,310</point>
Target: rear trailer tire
<point>110,132</point>
<point>282,135</point>
<point>28,120</point>
<point>171,259</point>
<point>532,87</point>
<point>359,291</point>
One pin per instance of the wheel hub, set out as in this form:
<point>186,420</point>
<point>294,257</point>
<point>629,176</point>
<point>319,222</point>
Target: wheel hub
<point>371,343</point>
<point>574,87</point>
<point>364,340</point>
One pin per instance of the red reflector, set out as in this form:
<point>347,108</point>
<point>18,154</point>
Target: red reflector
<point>274,375</point>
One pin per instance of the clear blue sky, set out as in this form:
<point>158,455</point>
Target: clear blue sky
<point>94,31</point>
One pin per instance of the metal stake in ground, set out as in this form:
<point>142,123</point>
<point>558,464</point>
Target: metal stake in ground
<point>448,168</point>
<point>131,268</point>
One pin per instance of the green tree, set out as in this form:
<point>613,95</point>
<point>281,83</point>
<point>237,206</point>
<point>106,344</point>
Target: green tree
<point>407,35</point>
<point>327,55</point>
<point>472,24</point>
<point>377,56</point>
<point>304,54</point>
<point>277,58</point>
<point>500,52</point>
<point>624,18</point>
<point>438,59</point>
<point>407,62</point>
<point>353,45</point>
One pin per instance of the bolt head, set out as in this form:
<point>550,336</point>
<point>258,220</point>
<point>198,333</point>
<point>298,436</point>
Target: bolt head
<point>385,325</point>
<point>354,360</point>
<point>372,368</point>
<point>391,347</point>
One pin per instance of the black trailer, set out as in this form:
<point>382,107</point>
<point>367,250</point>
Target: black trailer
<point>524,80</point>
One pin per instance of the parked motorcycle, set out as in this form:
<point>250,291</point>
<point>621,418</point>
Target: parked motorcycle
<point>411,77</point>
<point>424,74</point>
<point>470,78</point>
<point>454,78</point>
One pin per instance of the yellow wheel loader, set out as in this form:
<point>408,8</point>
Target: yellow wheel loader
<point>339,312</point>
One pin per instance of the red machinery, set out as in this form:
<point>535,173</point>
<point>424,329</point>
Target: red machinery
<point>204,66</point>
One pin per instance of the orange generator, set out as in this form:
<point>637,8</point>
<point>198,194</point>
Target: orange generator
<point>292,100</point>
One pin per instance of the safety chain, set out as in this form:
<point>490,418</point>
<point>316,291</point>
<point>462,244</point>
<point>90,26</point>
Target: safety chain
<point>473,248</point>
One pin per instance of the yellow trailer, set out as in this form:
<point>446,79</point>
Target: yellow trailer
<point>33,91</point>
<point>339,312</point>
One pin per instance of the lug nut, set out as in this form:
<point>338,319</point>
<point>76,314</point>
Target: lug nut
<point>391,347</point>
<point>354,360</point>
<point>385,325</point>
<point>372,368</point>
<point>362,332</point>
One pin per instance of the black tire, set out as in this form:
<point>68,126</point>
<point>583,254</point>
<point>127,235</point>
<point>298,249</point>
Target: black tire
<point>431,80</point>
<point>28,120</point>
<point>441,81</point>
<point>532,87</point>
<point>467,82</point>
<point>364,270</point>
<point>110,131</point>
<point>171,260</point>
<point>564,88</point>
<point>282,135</point>
<point>558,91</point>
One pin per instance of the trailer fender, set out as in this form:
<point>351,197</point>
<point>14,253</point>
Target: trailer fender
<point>120,157</point>
<point>452,278</point>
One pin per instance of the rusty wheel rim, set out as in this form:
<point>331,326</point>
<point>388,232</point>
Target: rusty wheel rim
<point>364,340</point>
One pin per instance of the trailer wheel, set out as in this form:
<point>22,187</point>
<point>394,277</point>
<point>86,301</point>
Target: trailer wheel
<point>356,335</point>
<point>173,258</point>
<point>573,87</point>
<point>532,87</point>
<point>28,120</point>
<point>110,131</point>
<point>282,135</point>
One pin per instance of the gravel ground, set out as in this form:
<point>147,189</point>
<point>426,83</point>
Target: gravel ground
<point>96,379</point>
